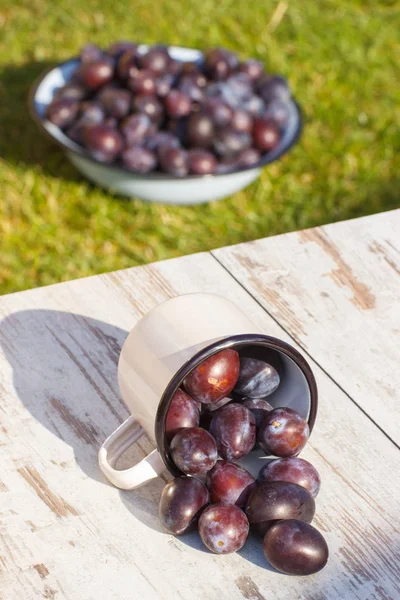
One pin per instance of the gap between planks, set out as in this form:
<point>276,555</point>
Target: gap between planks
<point>306,352</point>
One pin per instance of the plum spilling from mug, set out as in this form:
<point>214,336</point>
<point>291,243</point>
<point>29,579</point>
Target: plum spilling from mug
<point>219,417</point>
<point>283,432</point>
<point>204,421</point>
<point>223,528</point>
<point>294,470</point>
<point>229,483</point>
<point>214,378</point>
<point>149,112</point>
<point>231,503</point>
<point>278,500</point>
<point>181,503</point>
<point>194,450</point>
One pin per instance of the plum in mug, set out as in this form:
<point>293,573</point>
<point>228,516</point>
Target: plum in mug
<point>163,349</point>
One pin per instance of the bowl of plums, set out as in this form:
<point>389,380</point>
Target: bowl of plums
<point>166,124</point>
<point>229,426</point>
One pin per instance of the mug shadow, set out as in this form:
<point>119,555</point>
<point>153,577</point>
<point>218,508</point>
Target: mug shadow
<point>64,370</point>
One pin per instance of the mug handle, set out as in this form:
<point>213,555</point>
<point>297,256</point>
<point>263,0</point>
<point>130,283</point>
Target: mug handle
<point>115,445</point>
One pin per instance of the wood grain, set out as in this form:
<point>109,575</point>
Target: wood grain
<point>336,290</point>
<point>58,401</point>
<point>58,505</point>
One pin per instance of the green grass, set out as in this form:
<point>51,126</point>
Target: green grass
<point>342,59</point>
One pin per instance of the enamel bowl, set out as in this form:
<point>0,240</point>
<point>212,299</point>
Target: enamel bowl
<point>154,187</point>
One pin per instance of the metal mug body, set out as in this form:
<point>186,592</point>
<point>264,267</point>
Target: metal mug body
<point>162,349</point>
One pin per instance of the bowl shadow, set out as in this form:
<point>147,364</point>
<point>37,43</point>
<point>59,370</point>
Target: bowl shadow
<point>21,143</point>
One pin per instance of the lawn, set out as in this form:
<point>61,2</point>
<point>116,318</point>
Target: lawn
<point>340,57</point>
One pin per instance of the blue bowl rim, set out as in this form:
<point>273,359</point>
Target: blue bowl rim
<point>155,175</point>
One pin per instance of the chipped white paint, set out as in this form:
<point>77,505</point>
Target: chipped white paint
<point>66,534</point>
<point>336,291</point>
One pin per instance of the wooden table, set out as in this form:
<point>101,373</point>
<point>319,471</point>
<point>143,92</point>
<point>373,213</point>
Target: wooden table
<point>65,533</point>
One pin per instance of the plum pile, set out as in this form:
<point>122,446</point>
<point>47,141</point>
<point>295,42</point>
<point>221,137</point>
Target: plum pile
<point>149,112</point>
<point>220,416</point>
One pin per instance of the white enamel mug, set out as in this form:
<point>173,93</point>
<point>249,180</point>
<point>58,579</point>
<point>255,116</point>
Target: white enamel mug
<point>162,349</point>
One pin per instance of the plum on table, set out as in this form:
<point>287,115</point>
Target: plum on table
<point>181,502</point>
<point>295,548</point>
<point>223,528</point>
<point>278,500</point>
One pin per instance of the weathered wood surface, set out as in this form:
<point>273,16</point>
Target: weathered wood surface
<point>336,291</point>
<point>66,534</point>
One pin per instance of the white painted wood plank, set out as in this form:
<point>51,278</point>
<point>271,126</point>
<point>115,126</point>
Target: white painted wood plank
<point>66,533</point>
<point>336,290</point>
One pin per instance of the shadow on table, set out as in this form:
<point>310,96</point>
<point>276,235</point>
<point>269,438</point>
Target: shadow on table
<point>251,551</point>
<point>64,369</point>
<point>65,374</point>
<point>21,143</point>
